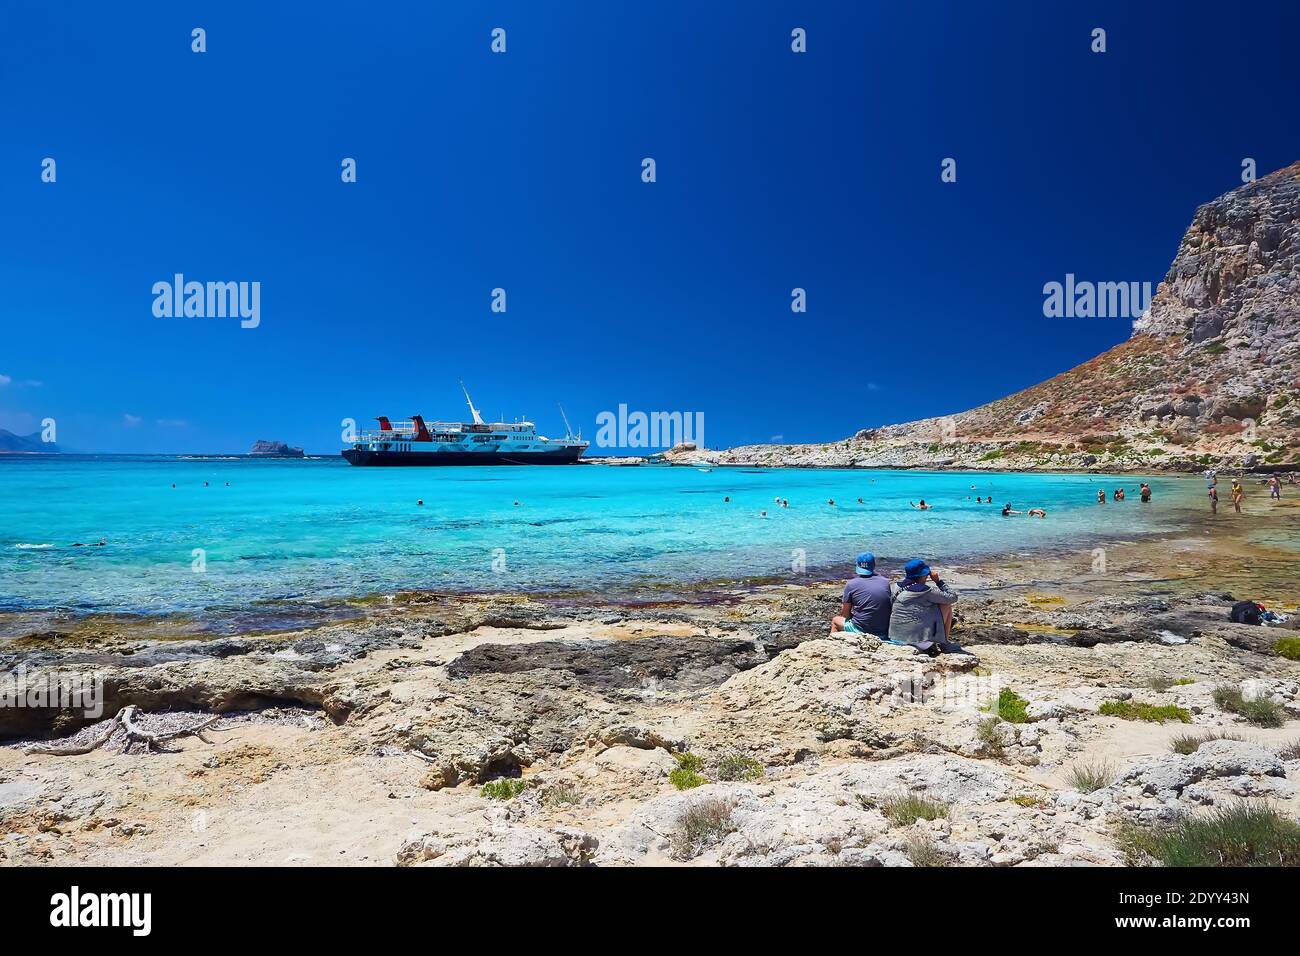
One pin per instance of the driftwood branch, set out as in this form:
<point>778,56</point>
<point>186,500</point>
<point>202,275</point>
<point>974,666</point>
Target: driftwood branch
<point>125,720</point>
<point>96,742</point>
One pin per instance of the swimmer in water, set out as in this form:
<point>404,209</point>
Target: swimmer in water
<point>95,544</point>
<point>726,500</point>
<point>785,502</point>
<point>762,514</point>
<point>1036,513</point>
<point>1101,496</point>
<point>921,507</point>
<point>831,502</point>
<point>420,502</point>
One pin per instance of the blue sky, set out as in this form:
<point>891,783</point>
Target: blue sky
<point>522,170</point>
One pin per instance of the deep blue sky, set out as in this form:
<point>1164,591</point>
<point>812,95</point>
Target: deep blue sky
<point>522,170</point>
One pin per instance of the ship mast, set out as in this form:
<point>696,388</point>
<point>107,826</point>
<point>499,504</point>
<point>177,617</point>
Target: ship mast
<point>478,419</point>
<point>568,429</point>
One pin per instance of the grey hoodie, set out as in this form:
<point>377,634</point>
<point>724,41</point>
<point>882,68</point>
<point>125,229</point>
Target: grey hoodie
<point>916,616</point>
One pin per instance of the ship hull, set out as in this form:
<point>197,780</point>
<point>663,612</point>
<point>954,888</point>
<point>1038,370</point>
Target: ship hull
<point>365,457</point>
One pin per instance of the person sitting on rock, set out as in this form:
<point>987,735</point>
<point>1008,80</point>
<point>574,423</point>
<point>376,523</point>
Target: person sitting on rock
<point>866,602</point>
<point>922,607</point>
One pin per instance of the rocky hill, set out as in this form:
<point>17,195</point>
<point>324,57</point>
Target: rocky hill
<point>25,444</point>
<point>1210,376</point>
<point>274,449</point>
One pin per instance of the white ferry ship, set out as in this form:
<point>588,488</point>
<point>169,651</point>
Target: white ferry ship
<point>417,442</point>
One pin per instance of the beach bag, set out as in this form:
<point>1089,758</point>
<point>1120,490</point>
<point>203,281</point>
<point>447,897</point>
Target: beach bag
<point>1245,612</point>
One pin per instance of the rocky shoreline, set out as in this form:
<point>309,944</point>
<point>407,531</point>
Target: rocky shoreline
<point>495,730</point>
<point>879,451</point>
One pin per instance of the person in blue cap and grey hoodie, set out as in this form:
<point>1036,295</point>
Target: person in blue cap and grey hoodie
<point>865,607</point>
<point>922,607</point>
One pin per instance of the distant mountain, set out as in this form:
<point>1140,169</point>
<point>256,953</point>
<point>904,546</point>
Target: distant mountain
<point>1210,375</point>
<point>25,444</point>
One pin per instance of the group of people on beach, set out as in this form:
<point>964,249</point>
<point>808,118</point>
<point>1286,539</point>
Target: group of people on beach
<point>1237,492</point>
<point>915,610</point>
<point>1119,494</point>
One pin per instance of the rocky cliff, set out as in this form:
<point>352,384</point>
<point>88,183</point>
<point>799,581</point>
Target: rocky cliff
<point>1210,376</point>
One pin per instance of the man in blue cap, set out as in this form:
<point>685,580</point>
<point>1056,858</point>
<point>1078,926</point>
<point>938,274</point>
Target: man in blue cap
<point>865,608</point>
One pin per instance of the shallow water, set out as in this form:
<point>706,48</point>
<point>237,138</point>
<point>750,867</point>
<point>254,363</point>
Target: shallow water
<point>293,531</point>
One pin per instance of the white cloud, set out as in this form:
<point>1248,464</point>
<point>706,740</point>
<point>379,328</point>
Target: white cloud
<point>5,380</point>
<point>130,421</point>
<point>777,438</point>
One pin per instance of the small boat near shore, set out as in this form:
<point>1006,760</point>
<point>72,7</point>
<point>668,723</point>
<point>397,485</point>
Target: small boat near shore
<point>476,442</point>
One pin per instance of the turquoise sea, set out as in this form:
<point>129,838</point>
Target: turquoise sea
<point>237,535</point>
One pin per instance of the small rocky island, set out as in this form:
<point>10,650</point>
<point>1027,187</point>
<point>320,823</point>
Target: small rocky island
<point>274,449</point>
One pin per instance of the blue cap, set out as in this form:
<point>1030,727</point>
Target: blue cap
<point>866,564</point>
<point>916,569</point>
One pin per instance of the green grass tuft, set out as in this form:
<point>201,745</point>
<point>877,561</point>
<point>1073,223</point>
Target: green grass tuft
<point>687,776</point>
<point>1190,743</point>
<point>925,853</point>
<point>1010,706</point>
<point>1141,710</point>
<point>1163,684</point>
<point>689,761</point>
<point>684,779</point>
<point>1090,777</point>
<point>739,767</point>
<point>703,824</point>
<point>504,789</point>
<point>562,793</point>
<point>987,734</point>
<point>1259,711</point>
<point>907,809</point>
<point>1288,647</point>
<point>1237,835</point>
<point>1029,800</point>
